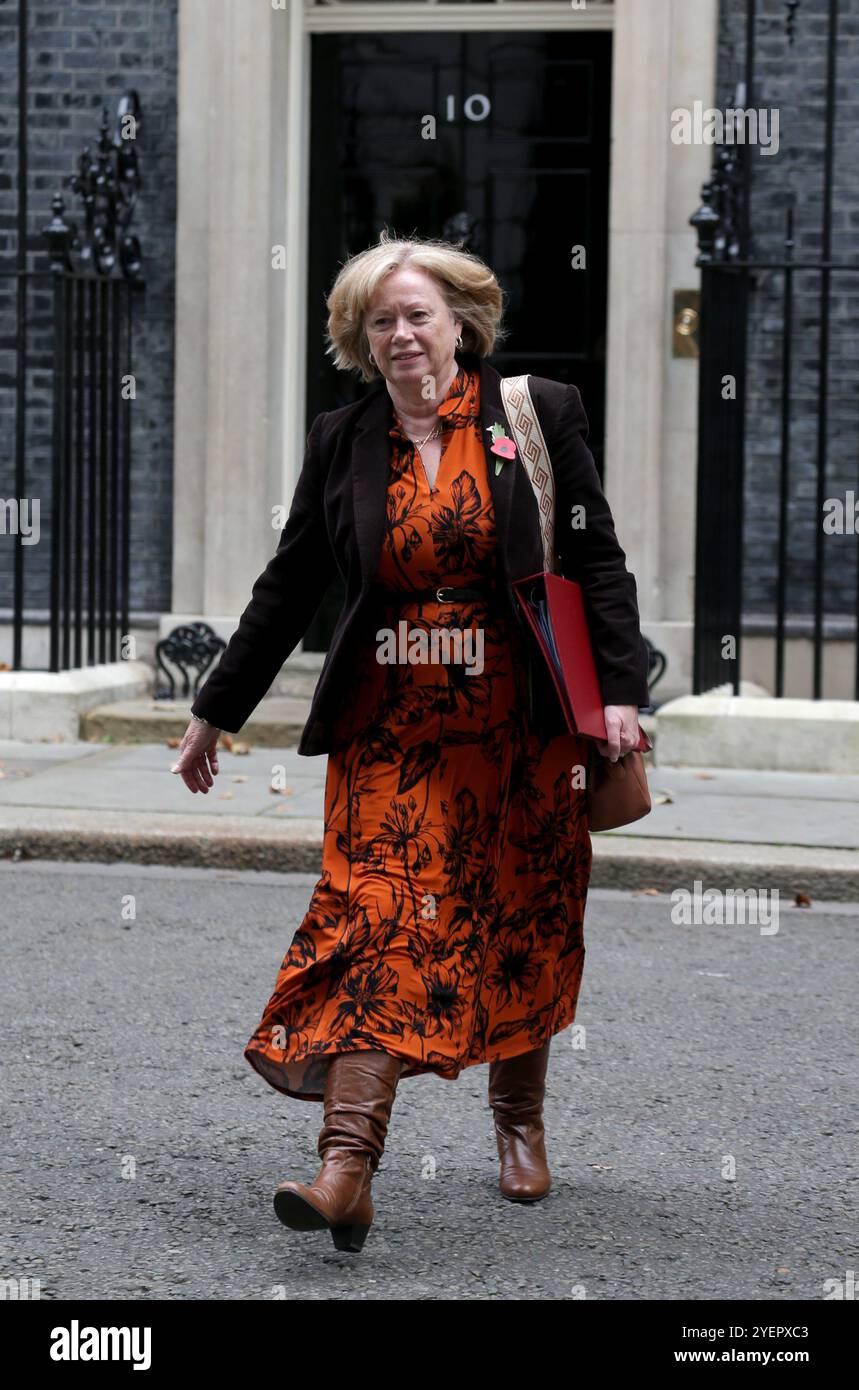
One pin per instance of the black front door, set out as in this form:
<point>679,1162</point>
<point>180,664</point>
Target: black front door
<point>519,166</point>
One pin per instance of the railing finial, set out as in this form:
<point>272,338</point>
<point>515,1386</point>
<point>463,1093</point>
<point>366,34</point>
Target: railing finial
<point>107,182</point>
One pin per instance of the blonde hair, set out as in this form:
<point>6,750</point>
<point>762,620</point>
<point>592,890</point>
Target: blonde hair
<point>468,286</point>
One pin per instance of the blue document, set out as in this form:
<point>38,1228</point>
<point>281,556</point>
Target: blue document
<point>541,609</point>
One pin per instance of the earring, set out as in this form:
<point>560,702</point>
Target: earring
<point>372,358</point>
<point>459,342</point>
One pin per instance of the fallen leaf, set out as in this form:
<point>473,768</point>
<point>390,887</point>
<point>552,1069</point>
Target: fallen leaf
<point>240,748</point>
<point>801,899</point>
<point>281,791</point>
<point>661,798</point>
<point>173,742</point>
<point>705,776</point>
<point>239,777</point>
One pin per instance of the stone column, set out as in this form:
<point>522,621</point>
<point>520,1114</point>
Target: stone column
<point>236,62</point>
<point>664,57</point>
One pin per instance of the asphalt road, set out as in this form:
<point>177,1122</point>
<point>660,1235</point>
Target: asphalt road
<point>140,1151</point>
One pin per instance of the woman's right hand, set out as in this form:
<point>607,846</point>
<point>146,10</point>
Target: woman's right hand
<point>197,763</point>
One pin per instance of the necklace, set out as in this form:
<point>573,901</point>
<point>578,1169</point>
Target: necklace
<point>419,443</point>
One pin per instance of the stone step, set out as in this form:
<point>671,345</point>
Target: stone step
<point>277,722</point>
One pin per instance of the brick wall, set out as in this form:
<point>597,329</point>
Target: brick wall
<point>793,79</point>
<point>83,54</point>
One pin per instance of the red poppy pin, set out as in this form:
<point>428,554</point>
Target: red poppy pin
<point>502,445</point>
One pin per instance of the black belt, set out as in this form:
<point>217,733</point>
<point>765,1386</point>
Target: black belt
<point>445,593</point>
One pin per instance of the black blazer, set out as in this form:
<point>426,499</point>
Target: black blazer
<point>336,523</point>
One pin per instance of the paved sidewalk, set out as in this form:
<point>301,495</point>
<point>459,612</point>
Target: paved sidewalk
<point>797,832</point>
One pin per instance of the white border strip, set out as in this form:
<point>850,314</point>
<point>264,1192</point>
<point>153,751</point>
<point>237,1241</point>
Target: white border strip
<point>297,188</point>
<point>518,14</point>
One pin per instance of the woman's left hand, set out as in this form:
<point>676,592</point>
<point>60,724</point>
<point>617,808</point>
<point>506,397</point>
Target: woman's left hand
<point>621,726</point>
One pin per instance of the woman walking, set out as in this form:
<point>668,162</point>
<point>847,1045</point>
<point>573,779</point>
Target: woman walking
<point>446,928</point>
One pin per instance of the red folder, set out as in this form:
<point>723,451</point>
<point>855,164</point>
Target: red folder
<point>555,610</point>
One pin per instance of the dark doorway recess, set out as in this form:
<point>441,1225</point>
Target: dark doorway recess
<point>519,168</point>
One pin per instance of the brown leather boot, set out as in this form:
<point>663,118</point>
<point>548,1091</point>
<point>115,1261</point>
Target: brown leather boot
<point>359,1093</point>
<point>517,1086</point>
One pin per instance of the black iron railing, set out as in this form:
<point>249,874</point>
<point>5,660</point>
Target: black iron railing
<point>73,336</point>
<point>729,276</point>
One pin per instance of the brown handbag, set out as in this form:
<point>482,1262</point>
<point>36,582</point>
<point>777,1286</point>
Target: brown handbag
<point>617,793</point>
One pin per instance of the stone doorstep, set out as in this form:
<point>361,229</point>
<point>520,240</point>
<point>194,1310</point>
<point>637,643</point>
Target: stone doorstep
<point>277,722</point>
<point>112,702</point>
<point>761,733</point>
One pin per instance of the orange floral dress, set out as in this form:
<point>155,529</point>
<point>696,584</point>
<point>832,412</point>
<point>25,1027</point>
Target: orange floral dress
<point>447,925</point>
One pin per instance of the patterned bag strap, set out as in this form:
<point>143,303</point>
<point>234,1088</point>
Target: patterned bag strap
<point>528,435</point>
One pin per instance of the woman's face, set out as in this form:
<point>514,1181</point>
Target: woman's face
<point>410,329</point>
